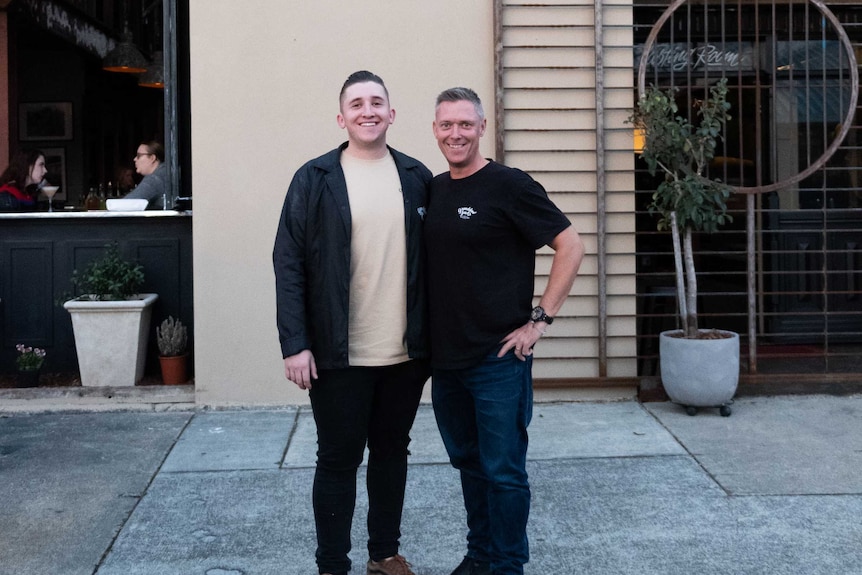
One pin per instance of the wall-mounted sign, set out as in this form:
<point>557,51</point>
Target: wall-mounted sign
<point>719,56</point>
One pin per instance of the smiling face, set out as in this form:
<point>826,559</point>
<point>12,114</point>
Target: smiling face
<point>458,127</point>
<point>366,115</point>
<point>37,171</point>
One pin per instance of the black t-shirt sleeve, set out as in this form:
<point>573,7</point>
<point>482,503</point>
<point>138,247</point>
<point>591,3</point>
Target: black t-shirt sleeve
<point>535,216</point>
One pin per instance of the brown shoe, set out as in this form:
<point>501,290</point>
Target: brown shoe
<point>396,565</point>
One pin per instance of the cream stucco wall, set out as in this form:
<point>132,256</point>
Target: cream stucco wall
<point>265,77</point>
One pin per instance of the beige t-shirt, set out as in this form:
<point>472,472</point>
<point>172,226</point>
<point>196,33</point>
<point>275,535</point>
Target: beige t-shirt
<point>378,263</point>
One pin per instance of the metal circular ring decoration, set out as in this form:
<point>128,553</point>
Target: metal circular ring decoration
<point>845,125</point>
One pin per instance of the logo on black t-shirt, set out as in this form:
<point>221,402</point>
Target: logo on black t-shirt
<point>465,213</point>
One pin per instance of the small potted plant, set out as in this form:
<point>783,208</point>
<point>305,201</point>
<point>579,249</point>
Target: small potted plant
<point>29,361</point>
<point>172,338</point>
<point>109,278</point>
<point>699,368</point>
<point>111,320</point>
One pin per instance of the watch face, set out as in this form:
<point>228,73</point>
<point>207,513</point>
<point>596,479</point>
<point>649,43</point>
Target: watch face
<point>537,313</point>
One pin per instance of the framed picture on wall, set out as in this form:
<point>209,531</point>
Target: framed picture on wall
<point>55,161</point>
<point>45,121</point>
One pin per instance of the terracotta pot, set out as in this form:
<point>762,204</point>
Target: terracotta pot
<point>174,371</point>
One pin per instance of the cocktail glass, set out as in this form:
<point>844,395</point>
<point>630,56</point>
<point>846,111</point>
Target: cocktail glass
<point>50,191</point>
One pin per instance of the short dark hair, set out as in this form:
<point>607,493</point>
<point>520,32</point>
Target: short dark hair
<point>459,94</point>
<point>155,149</point>
<point>358,78</point>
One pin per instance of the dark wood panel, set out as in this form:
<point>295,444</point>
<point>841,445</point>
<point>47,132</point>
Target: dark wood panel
<point>27,288</point>
<point>35,277</point>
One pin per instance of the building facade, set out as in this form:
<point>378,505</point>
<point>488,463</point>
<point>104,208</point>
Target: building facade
<point>559,80</point>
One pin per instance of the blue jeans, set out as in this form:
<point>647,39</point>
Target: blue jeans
<point>483,413</point>
<point>353,407</point>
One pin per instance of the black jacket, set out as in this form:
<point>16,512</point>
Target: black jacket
<point>312,260</point>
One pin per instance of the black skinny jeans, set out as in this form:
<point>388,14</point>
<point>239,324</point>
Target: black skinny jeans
<point>353,406</point>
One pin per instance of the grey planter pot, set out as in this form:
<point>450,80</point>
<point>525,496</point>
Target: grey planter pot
<point>700,372</point>
<point>111,339</point>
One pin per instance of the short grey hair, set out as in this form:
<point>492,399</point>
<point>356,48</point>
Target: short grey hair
<point>459,95</point>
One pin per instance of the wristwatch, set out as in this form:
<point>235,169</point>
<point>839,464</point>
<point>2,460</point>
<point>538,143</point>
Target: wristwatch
<point>538,314</point>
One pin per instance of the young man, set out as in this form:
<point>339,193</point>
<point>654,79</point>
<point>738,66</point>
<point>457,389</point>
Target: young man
<point>484,224</point>
<point>352,313</point>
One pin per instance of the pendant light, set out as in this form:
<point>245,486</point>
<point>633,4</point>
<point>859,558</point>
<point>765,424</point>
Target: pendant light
<point>154,77</point>
<point>125,57</point>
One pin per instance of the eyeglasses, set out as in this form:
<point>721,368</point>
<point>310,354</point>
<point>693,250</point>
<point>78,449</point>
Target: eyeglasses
<point>139,155</point>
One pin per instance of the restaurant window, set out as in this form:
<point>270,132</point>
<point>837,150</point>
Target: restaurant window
<point>56,53</point>
<point>786,272</point>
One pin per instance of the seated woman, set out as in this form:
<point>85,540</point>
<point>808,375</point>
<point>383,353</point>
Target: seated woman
<point>149,163</point>
<point>26,170</point>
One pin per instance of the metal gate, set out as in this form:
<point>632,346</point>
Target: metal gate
<point>787,273</point>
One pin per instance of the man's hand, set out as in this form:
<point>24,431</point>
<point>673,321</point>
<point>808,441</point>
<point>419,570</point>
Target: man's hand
<point>522,340</point>
<point>568,253</point>
<point>301,369</point>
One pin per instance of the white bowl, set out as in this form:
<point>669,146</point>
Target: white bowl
<point>126,205</point>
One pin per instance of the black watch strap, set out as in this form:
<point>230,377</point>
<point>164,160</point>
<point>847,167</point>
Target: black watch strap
<point>538,314</point>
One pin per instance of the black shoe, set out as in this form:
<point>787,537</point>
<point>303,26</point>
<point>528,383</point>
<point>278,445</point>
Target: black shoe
<point>470,566</point>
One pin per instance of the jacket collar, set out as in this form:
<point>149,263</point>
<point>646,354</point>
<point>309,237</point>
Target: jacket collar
<point>331,161</point>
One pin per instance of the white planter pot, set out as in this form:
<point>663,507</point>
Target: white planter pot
<point>699,372</point>
<point>111,339</point>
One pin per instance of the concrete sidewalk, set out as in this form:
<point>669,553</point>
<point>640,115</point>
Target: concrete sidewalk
<point>618,488</point>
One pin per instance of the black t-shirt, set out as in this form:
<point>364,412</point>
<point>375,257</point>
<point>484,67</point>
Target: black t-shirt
<point>482,233</point>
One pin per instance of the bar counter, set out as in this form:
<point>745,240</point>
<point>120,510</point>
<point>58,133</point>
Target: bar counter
<point>61,214</point>
<point>40,250</point>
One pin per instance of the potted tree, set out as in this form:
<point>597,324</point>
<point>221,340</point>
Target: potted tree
<point>172,338</point>
<point>111,320</point>
<point>699,368</point>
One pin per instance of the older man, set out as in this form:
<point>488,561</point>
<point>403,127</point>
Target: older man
<point>484,224</point>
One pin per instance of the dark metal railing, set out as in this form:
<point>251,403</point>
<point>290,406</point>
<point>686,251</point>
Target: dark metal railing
<point>786,274</point>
